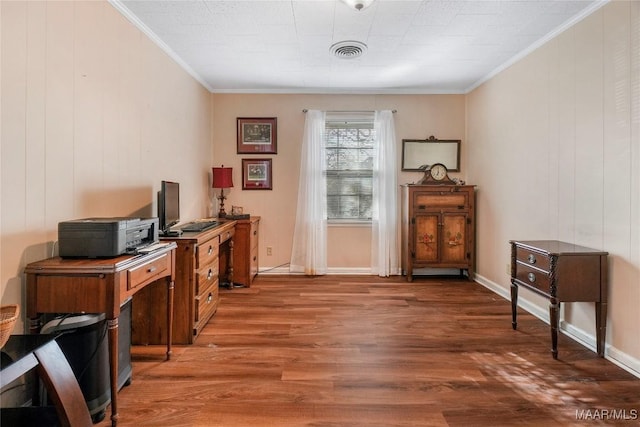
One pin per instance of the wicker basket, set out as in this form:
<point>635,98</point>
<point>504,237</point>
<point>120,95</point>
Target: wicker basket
<point>8,316</point>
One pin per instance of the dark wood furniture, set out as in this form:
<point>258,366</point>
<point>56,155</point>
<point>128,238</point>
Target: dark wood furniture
<point>438,227</point>
<point>42,353</point>
<point>59,285</point>
<point>203,259</point>
<point>561,272</point>
<point>245,251</point>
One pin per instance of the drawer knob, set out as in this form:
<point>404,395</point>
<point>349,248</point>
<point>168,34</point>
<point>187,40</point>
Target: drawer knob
<point>531,277</point>
<point>209,274</point>
<point>531,258</point>
<point>210,250</point>
<point>151,269</point>
<point>209,297</point>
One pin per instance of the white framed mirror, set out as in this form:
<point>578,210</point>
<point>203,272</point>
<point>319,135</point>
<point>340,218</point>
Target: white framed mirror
<point>419,153</point>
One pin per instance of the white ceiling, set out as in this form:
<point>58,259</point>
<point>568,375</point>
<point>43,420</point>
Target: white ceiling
<point>414,46</point>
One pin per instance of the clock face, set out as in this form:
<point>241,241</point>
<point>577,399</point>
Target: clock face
<point>438,171</point>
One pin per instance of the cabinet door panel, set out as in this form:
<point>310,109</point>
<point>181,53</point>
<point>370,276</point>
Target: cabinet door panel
<point>426,238</point>
<point>453,237</point>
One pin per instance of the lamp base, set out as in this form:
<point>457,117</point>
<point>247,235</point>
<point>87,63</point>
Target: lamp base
<point>222,197</point>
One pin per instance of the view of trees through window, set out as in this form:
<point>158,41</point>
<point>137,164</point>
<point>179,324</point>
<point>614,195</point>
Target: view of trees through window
<point>349,153</point>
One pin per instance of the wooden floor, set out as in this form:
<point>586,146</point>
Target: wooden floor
<point>365,351</point>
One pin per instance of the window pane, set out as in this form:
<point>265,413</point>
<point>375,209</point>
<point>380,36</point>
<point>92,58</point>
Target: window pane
<point>349,207</point>
<point>349,160</point>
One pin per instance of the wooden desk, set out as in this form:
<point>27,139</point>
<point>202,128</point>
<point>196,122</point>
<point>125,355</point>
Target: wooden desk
<point>42,353</point>
<point>203,260</point>
<point>561,272</point>
<point>58,285</point>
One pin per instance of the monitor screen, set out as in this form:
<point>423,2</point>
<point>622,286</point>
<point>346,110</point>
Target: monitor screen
<point>168,205</point>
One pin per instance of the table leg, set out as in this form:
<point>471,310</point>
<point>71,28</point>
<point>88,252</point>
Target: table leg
<point>514,306</point>
<point>601,326</point>
<point>170,291</point>
<point>554,317</point>
<point>112,325</point>
<point>230,271</point>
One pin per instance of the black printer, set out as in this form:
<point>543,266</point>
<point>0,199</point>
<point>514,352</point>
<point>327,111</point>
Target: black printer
<point>105,237</point>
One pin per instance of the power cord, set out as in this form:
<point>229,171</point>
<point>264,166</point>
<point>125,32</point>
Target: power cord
<point>273,268</point>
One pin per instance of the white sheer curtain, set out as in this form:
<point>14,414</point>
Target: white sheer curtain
<point>309,251</point>
<point>384,230</point>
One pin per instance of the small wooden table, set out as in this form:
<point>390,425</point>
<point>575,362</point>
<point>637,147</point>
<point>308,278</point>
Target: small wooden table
<point>65,285</point>
<point>561,272</point>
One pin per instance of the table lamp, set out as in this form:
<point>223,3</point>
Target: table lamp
<point>222,178</point>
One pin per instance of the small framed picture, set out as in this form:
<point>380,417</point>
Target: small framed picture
<point>257,135</point>
<point>256,174</point>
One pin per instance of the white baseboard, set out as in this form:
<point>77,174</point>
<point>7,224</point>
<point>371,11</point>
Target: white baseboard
<point>277,270</point>
<point>614,355</point>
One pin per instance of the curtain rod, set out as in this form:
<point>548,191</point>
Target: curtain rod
<point>349,111</point>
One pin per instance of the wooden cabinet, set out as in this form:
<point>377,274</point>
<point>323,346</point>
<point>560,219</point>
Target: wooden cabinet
<point>561,272</point>
<point>438,227</point>
<point>201,262</point>
<point>245,251</point>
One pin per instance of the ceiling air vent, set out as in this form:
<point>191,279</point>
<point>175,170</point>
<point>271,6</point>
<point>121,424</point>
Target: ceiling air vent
<point>348,49</point>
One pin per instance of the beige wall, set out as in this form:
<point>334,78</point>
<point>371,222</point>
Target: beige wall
<point>349,249</point>
<point>555,143</point>
<point>93,117</point>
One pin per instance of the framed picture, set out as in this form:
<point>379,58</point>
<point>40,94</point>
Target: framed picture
<point>257,135</point>
<point>256,174</point>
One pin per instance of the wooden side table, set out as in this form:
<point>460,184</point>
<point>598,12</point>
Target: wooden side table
<point>561,272</point>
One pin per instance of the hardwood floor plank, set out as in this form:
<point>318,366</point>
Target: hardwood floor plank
<point>357,351</point>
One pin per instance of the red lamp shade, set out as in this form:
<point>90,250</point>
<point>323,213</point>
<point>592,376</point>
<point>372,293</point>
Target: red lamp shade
<point>222,177</point>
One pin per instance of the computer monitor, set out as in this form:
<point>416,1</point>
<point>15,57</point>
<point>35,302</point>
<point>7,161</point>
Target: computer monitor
<point>168,207</point>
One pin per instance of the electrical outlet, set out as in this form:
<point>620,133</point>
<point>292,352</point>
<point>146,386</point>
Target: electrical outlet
<point>269,251</point>
<point>509,269</point>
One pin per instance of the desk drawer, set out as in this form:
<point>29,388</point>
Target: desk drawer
<point>227,235</point>
<point>148,272</point>
<point>529,257</point>
<point>533,278</point>
<point>253,262</point>
<point>440,199</point>
<point>206,303</point>
<point>206,276</point>
<point>254,235</point>
<point>207,252</point>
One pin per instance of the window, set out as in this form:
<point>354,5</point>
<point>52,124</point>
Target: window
<point>349,150</point>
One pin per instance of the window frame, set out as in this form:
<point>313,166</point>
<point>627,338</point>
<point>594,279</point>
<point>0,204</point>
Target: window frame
<point>353,120</point>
